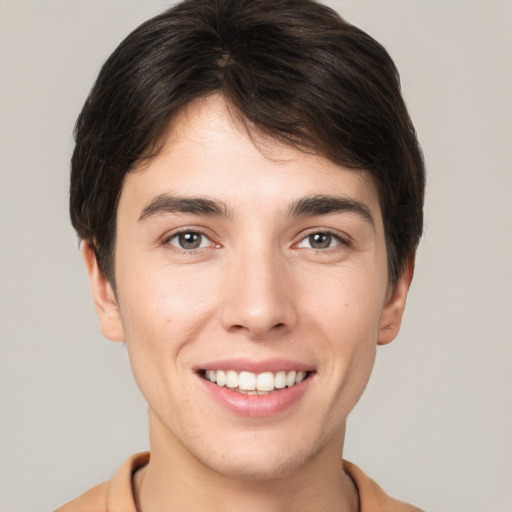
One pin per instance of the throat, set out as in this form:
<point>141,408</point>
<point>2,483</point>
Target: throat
<point>231,494</point>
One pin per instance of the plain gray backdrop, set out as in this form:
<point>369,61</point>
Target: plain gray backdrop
<point>434,426</point>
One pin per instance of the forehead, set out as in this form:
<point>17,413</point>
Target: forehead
<point>210,151</point>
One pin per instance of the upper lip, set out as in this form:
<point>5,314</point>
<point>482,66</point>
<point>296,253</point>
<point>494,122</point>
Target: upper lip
<point>255,366</point>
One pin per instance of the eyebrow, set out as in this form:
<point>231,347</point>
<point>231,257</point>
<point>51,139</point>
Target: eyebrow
<point>165,203</point>
<point>310,206</point>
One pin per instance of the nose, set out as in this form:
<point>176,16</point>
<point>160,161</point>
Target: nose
<point>258,294</point>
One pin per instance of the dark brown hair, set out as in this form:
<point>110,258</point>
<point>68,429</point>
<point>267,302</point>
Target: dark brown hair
<point>294,69</point>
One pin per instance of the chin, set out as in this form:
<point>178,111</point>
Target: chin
<point>250,467</point>
<point>259,458</point>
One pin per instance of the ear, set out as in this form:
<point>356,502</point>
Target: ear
<point>391,317</point>
<point>103,295</point>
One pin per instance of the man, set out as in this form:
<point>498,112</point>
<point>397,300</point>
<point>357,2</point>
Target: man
<point>248,188</point>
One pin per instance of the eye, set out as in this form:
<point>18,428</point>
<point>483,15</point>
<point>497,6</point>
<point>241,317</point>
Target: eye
<point>320,240</point>
<point>189,240</point>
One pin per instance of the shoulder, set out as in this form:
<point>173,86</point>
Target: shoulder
<point>114,495</point>
<point>372,498</point>
<point>94,500</point>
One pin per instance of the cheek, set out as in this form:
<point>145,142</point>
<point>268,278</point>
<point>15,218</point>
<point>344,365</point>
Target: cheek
<point>157,295</point>
<point>346,315</point>
<point>163,313</point>
<point>347,303</point>
<point>352,350</point>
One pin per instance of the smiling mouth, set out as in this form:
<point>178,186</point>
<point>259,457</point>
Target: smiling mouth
<point>249,383</point>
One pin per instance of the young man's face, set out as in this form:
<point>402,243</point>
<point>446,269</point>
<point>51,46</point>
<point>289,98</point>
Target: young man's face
<point>235,260</point>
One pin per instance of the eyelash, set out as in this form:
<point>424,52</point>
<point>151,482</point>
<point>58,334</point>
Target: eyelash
<point>167,241</point>
<point>341,240</point>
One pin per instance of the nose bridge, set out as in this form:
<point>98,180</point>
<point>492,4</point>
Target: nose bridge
<point>257,292</point>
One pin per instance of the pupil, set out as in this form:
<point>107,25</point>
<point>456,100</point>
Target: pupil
<point>320,240</point>
<point>190,240</point>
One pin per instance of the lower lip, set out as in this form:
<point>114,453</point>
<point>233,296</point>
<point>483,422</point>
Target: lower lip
<point>256,405</point>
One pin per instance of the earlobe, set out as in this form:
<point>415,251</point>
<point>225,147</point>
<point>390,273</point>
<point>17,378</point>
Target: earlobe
<point>391,317</point>
<point>103,296</point>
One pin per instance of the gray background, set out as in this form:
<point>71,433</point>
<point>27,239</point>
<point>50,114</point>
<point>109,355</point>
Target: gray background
<point>435,424</point>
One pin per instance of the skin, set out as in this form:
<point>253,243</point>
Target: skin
<point>258,287</point>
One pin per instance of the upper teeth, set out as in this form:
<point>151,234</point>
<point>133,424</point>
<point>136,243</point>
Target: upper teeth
<point>248,381</point>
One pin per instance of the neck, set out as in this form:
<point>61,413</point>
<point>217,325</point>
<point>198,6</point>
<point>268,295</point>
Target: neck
<point>175,480</point>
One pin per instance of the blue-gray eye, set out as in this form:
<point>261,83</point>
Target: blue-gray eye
<point>189,240</point>
<point>319,241</point>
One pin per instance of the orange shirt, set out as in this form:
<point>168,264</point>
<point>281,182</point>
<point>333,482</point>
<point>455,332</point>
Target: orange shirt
<point>116,495</point>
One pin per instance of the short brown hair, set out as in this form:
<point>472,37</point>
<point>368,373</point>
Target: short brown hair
<point>293,68</point>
